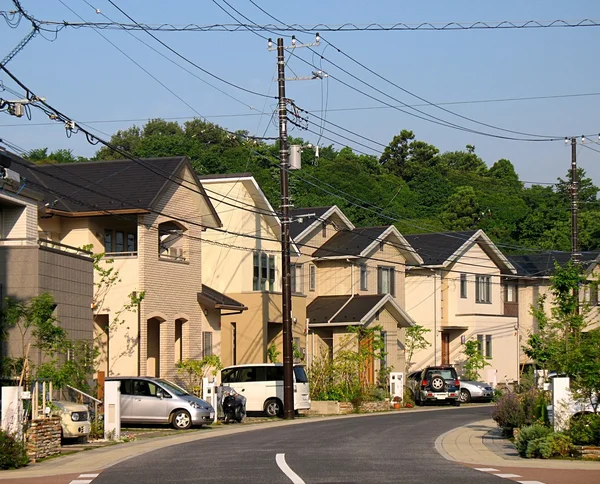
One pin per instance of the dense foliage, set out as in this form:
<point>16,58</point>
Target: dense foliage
<point>411,185</point>
<point>13,453</point>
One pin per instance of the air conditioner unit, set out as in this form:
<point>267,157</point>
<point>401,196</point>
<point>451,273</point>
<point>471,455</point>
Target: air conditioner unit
<point>176,252</point>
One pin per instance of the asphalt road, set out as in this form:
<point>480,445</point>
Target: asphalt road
<point>395,447</point>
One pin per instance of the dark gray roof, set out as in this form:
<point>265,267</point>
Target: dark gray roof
<point>350,242</point>
<point>102,185</point>
<point>297,226</point>
<point>218,300</point>
<point>436,248</point>
<point>542,264</point>
<point>323,308</point>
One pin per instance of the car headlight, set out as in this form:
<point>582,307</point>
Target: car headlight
<point>75,416</point>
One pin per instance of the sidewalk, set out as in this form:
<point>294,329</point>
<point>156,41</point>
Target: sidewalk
<point>481,443</point>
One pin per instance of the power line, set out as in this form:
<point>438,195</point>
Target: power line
<point>322,27</point>
<point>181,56</point>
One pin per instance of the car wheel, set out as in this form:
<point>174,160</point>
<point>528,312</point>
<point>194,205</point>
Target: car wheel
<point>438,384</point>
<point>273,408</point>
<point>181,420</point>
<point>465,396</point>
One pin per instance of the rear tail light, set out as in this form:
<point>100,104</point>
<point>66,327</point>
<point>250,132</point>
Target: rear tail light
<point>424,383</point>
<point>457,382</point>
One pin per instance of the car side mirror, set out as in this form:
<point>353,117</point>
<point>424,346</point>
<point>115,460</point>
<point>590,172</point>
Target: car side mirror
<point>159,394</point>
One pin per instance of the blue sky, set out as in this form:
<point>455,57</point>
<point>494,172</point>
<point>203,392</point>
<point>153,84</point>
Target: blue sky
<point>85,77</point>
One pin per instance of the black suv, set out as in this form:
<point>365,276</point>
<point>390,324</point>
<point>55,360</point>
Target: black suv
<point>435,384</point>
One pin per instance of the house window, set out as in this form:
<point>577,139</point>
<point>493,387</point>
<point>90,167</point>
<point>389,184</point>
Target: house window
<point>488,345</point>
<point>108,238</point>
<point>263,271</point>
<point>312,277</point>
<point>131,243</point>
<point>297,278</point>
<point>171,242</point>
<point>117,241</point>
<point>385,280</point>
<point>207,348</point>
<point>483,289</point>
<point>480,343</point>
<point>510,292</point>
<point>363,278</point>
<point>463,286</point>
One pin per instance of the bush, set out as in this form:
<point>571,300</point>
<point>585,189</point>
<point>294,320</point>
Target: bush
<point>585,429</point>
<point>533,448</point>
<point>529,434</point>
<point>555,445</point>
<point>13,453</point>
<point>508,412</point>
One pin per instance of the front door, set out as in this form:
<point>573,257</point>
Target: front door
<point>445,348</point>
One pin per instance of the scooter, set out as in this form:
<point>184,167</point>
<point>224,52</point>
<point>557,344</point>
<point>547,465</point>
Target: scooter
<point>233,405</point>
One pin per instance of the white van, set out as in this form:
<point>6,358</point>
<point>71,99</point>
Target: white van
<point>262,385</point>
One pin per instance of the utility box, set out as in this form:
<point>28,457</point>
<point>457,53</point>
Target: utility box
<point>295,158</point>
<point>397,384</point>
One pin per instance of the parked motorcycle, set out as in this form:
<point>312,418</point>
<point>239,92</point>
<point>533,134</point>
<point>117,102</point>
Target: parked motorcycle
<point>233,405</point>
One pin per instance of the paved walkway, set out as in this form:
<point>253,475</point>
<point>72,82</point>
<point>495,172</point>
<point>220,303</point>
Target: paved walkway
<point>481,443</point>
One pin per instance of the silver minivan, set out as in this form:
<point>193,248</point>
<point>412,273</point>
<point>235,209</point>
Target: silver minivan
<point>156,400</point>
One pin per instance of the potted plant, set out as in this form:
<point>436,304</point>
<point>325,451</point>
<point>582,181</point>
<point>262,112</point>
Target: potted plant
<point>397,402</point>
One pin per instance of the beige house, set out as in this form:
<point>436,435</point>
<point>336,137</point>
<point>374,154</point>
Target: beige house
<point>534,272</point>
<point>247,268</point>
<point>458,294</point>
<point>147,217</point>
<point>30,264</point>
<point>351,277</point>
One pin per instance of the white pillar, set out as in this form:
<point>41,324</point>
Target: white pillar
<point>112,410</point>
<point>561,402</point>
<point>12,411</point>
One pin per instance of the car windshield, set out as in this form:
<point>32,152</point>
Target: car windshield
<point>171,387</point>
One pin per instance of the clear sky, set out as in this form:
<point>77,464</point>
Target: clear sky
<point>85,77</point>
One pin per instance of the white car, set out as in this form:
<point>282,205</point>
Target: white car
<point>475,390</point>
<point>74,419</point>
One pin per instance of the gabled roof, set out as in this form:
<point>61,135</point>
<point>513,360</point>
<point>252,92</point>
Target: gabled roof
<point>119,186</point>
<point>361,241</point>
<point>217,300</point>
<point>440,250</point>
<point>260,199</point>
<point>305,220</point>
<point>542,264</point>
<point>353,310</point>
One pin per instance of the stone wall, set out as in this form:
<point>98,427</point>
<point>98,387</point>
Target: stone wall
<point>342,408</point>
<point>588,451</point>
<point>43,438</point>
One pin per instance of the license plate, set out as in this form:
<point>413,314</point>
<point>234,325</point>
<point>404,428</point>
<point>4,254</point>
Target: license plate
<point>212,414</point>
<point>441,396</point>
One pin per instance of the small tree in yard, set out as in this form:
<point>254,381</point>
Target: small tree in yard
<point>475,360</point>
<point>564,341</point>
<point>415,340</point>
<point>193,371</point>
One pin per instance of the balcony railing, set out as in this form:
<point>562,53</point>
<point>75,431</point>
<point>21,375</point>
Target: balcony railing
<point>49,244</point>
<point>114,255</point>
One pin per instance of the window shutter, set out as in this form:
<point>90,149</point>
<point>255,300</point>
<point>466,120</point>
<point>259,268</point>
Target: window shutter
<point>379,280</point>
<point>393,282</point>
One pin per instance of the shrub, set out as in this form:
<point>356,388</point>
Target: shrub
<point>585,429</point>
<point>12,452</point>
<point>508,412</point>
<point>533,448</point>
<point>555,445</point>
<point>528,434</point>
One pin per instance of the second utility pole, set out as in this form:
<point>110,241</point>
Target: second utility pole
<point>286,289</point>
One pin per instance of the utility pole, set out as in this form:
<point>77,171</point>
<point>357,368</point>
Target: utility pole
<point>286,279</point>
<point>286,290</point>
<point>574,186</point>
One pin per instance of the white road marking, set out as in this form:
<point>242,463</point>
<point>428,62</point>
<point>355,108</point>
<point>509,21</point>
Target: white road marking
<point>81,481</point>
<point>83,476</point>
<point>486,469</point>
<point>530,482</point>
<point>507,476</point>
<point>295,478</point>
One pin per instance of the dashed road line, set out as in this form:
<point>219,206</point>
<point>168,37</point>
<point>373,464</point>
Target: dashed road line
<point>486,469</point>
<point>491,470</point>
<point>530,482</point>
<point>295,478</point>
<point>507,476</point>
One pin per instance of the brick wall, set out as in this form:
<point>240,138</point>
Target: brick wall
<point>43,438</point>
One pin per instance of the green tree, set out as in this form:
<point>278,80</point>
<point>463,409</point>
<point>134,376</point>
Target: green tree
<point>405,156</point>
<point>463,161</point>
<point>193,371</point>
<point>475,361</point>
<point>415,340</point>
<point>462,210</point>
<point>41,156</point>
